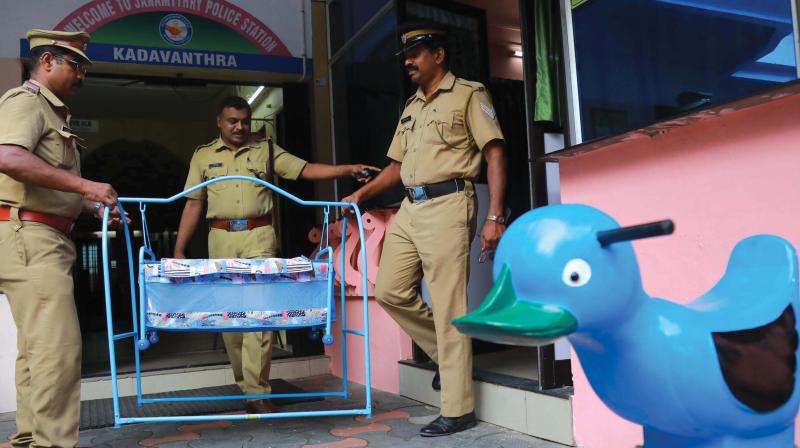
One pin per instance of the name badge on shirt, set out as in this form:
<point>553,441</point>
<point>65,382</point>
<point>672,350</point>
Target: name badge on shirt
<point>216,165</point>
<point>405,120</point>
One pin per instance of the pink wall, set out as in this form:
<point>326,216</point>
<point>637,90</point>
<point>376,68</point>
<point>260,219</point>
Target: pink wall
<point>719,180</point>
<point>388,344</point>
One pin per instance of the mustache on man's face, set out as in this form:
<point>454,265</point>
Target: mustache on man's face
<point>410,67</point>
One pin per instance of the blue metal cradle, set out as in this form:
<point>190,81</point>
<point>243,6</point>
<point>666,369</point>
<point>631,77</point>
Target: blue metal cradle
<point>232,295</point>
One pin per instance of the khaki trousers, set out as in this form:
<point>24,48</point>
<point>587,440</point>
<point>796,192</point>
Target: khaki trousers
<point>433,238</point>
<point>250,354</point>
<point>36,276</point>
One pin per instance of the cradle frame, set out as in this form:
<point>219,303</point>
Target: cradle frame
<point>142,336</point>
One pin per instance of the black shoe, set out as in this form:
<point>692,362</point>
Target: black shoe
<point>436,384</point>
<point>444,426</point>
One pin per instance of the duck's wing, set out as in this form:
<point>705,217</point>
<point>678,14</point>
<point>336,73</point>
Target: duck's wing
<point>759,364</point>
<point>752,315</point>
<point>759,283</point>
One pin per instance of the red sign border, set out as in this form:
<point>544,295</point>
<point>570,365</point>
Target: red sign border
<point>278,50</point>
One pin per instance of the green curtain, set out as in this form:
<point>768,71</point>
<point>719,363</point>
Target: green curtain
<point>547,52</point>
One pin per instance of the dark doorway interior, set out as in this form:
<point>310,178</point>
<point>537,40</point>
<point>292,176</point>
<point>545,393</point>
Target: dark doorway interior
<point>140,135</point>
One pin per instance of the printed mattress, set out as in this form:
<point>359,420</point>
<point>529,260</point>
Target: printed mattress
<point>236,294</point>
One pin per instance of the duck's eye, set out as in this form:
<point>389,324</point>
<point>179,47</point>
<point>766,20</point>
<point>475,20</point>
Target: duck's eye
<point>577,272</point>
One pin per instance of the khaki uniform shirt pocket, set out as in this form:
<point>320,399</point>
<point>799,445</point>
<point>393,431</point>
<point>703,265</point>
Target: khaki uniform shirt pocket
<point>66,153</point>
<point>257,168</point>
<point>454,131</point>
<point>447,129</point>
<point>433,130</point>
<point>213,173</point>
<point>406,133</point>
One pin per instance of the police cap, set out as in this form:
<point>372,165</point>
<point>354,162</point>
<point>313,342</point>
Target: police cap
<point>417,32</point>
<point>72,41</point>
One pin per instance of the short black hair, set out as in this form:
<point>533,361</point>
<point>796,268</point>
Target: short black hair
<point>235,102</point>
<point>35,54</point>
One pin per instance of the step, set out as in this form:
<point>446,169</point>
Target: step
<point>197,377</point>
<point>502,400</point>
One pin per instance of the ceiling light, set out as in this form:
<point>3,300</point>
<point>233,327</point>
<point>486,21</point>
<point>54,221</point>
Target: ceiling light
<point>255,95</point>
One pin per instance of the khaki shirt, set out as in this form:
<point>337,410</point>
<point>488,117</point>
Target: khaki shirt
<point>238,199</point>
<point>31,116</point>
<point>442,138</point>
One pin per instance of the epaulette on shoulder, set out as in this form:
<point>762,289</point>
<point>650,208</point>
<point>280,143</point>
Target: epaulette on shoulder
<point>19,93</point>
<point>474,85</point>
<point>205,145</point>
<point>410,99</point>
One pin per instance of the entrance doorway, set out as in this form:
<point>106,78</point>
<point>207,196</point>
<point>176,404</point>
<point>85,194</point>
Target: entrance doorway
<point>140,134</point>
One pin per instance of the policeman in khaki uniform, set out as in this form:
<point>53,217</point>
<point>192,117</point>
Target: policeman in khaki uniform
<point>41,194</point>
<point>444,130</point>
<point>240,214</point>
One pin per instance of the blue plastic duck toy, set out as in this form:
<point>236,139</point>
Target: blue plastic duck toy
<point>718,372</point>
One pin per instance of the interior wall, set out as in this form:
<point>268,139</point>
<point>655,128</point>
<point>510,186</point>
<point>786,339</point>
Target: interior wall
<point>10,76</point>
<point>503,32</point>
<point>179,137</point>
<point>10,73</point>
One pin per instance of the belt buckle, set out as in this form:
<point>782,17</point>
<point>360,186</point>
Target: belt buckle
<point>420,194</point>
<point>237,225</point>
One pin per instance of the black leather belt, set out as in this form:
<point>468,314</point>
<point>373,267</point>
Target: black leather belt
<point>430,191</point>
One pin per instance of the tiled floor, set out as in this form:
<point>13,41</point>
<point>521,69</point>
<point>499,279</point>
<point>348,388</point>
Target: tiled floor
<point>396,422</point>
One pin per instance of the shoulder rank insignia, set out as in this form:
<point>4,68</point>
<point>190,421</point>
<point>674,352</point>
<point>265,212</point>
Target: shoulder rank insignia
<point>488,110</point>
<point>30,87</point>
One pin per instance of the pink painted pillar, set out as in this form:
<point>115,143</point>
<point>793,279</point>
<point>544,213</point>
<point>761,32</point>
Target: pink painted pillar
<point>720,180</point>
<point>389,344</point>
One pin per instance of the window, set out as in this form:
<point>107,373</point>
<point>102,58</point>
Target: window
<point>347,17</point>
<point>367,86</point>
<point>641,61</point>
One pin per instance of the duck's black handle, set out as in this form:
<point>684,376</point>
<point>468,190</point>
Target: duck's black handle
<point>658,228</point>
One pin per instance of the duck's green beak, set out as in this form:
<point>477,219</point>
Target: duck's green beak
<point>504,319</point>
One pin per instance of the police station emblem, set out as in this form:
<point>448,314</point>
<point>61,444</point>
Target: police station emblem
<point>175,29</point>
